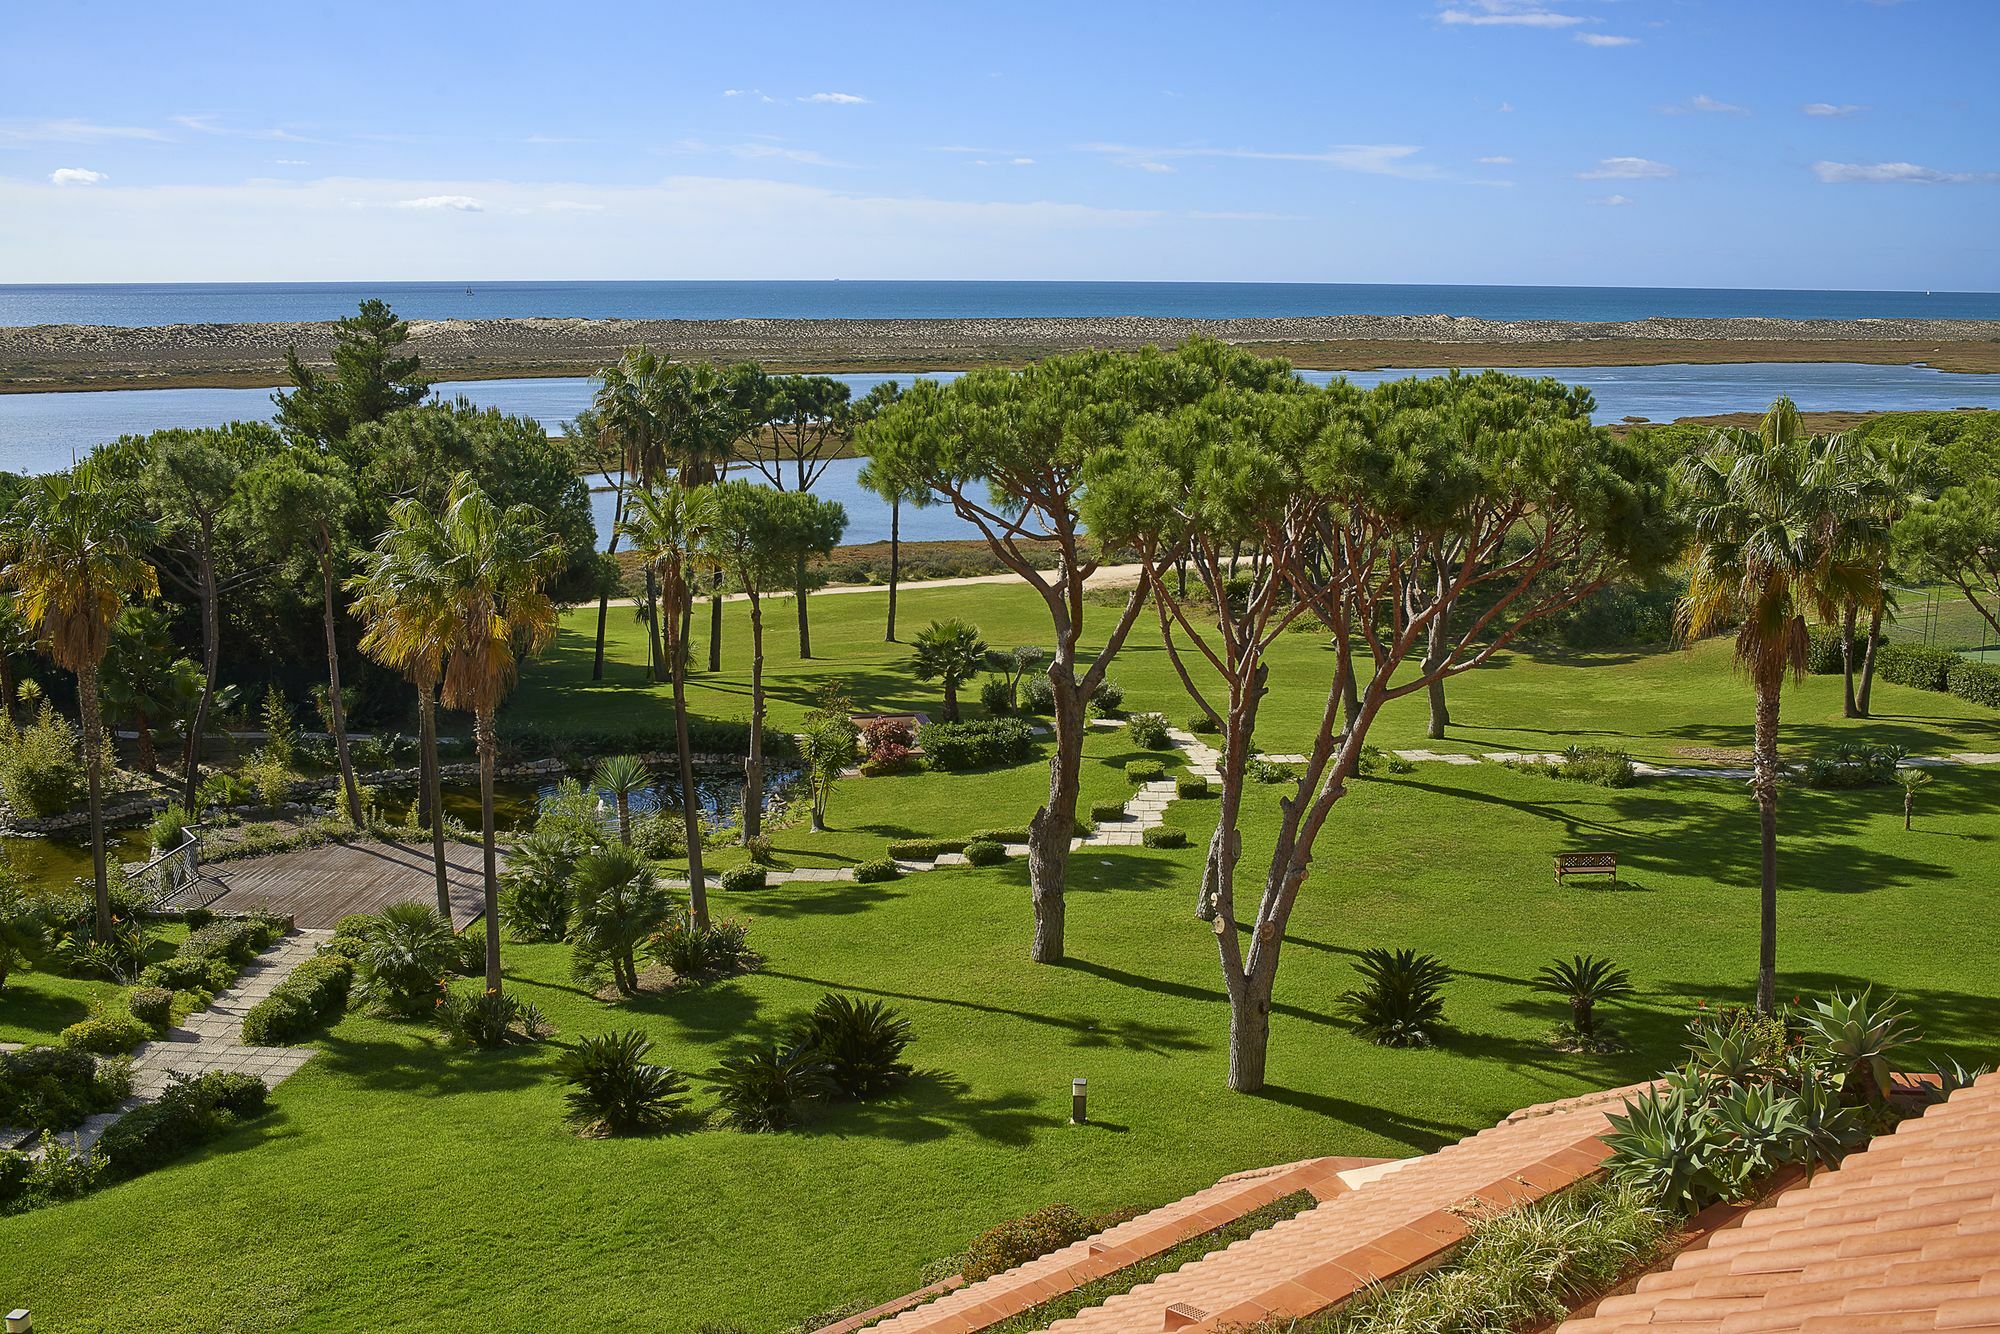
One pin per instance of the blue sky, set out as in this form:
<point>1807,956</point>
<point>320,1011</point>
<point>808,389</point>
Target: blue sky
<point>1753,143</point>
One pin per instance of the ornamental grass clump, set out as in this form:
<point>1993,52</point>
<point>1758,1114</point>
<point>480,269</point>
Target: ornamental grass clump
<point>489,1019</point>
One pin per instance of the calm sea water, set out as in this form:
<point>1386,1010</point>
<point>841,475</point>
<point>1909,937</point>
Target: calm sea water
<point>229,303</point>
<point>43,432</point>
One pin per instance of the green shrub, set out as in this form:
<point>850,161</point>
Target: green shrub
<point>1037,696</point>
<point>1164,836</point>
<point>925,849</point>
<point>1259,770</point>
<point>168,828</point>
<point>1102,811</point>
<point>1914,665</point>
<point>771,1088</point>
<point>1400,1002</point>
<point>982,853</point>
<point>1000,836</point>
<point>184,973</point>
<point>468,957</point>
<point>60,1173</point>
<point>996,696</point>
<point>979,744</point>
<point>54,1088</point>
<point>658,835</point>
<point>1001,1248</point>
<point>861,1043</point>
<point>189,1114</point>
<point>1145,771</point>
<point>619,902</point>
<point>721,949</point>
<point>489,1019</point>
<point>876,870</point>
<point>614,1090</point>
<point>1202,725</point>
<point>706,736</point>
<point>15,1170</point>
<point>405,953</point>
<point>235,940</point>
<point>1108,700</point>
<point>1149,730</point>
<point>1848,765</point>
<point>747,876</point>
<point>1190,786</point>
<point>41,766</point>
<point>107,1033</point>
<point>1598,765</point>
<point>1974,682</point>
<point>316,989</point>
<point>1823,651</point>
<point>151,1006</point>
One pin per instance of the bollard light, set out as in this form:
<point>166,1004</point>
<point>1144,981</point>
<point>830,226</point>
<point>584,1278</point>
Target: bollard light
<point>19,1321</point>
<point>1077,1094</point>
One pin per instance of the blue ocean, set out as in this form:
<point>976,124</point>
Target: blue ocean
<point>135,304</point>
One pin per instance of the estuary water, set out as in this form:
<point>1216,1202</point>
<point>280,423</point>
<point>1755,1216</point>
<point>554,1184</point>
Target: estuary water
<point>45,432</point>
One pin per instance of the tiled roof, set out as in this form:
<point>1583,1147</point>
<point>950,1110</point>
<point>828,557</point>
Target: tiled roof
<point>1904,1235</point>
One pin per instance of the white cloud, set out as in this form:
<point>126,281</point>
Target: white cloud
<point>1605,39</point>
<point>839,99</point>
<point>1832,108</point>
<point>1614,201</point>
<point>1498,160</point>
<point>760,151</point>
<point>76,176</point>
<point>1627,169</point>
<point>1893,173</point>
<point>1510,16</point>
<point>1203,215</point>
<point>1003,162</point>
<point>444,203</point>
<point>212,125</point>
<point>67,131</point>
<point>1704,103</point>
<point>290,162</point>
<point>1506,107</point>
<point>1157,168</point>
<point>756,93</point>
<point>1369,159</point>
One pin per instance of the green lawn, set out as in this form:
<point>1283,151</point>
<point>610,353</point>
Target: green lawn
<point>401,1182</point>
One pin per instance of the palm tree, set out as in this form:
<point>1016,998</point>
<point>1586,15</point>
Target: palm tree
<point>952,652</point>
<point>487,567</point>
<point>621,776</point>
<point>72,547</point>
<point>668,525</point>
<point>1905,465</point>
<point>1773,516</point>
<point>408,624</point>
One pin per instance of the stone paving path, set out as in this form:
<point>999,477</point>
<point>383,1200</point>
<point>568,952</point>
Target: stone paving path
<point>1646,770</point>
<point>210,1040</point>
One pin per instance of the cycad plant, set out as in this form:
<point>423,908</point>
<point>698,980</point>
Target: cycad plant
<point>615,1090</point>
<point>621,776</point>
<point>1401,1000</point>
<point>1910,780</point>
<point>1782,532</point>
<point>1856,1037</point>
<point>1586,981</point>
<point>771,1088</point>
<point>861,1042</point>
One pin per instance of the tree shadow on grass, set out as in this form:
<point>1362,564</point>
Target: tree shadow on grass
<point>436,1067</point>
<point>1188,991</point>
<point>1418,1132</point>
<point>40,1012</point>
<point>819,898</point>
<point>934,1105</point>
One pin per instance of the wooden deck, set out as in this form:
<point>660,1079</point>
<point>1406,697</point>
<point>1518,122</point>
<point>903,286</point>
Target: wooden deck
<point>319,886</point>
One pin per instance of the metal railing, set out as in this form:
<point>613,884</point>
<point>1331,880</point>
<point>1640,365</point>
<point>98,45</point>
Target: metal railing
<point>172,873</point>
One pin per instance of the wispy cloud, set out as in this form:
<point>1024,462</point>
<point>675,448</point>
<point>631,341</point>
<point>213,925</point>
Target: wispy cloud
<point>1502,14</point>
<point>213,125</point>
<point>761,151</point>
<point>1369,159</point>
<point>444,204</point>
<point>1613,201</point>
<point>76,176</point>
<point>838,99</point>
<point>69,131</point>
<point>1703,103</point>
<point>1003,162</point>
<point>1894,173</point>
<point>1627,169</point>
<point>753,94</point>
<point>1233,215</point>
<point>1497,160</point>
<point>1832,108</point>
<point>1605,39</point>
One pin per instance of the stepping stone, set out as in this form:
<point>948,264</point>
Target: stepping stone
<point>1283,759</point>
<point>1975,757</point>
<point>1436,757</point>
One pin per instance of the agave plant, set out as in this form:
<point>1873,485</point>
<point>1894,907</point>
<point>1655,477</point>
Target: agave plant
<point>614,1090</point>
<point>1763,1127</point>
<point>861,1043</point>
<point>1827,1129</point>
<point>1856,1037</point>
<point>1730,1055</point>
<point>406,951</point>
<point>1670,1146</point>
<point>1951,1077</point>
<point>1585,981</point>
<point>770,1088</point>
<point>1401,1002</point>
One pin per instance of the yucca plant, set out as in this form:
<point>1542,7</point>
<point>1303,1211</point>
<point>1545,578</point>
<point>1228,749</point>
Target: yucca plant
<point>1401,1002</point>
<point>1856,1037</point>
<point>621,776</point>
<point>861,1043</point>
<point>771,1088</point>
<point>615,1090</point>
<point>1585,981</point>
<point>406,951</point>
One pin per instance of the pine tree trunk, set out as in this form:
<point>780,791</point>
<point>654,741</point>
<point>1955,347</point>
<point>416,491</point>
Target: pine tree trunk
<point>433,799</point>
<point>336,710</point>
<point>211,658</point>
<point>93,767</point>
<point>1054,825</point>
<point>753,764</point>
<point>690,804</point>
<point>1435,651</point>
<point>1868,662</point>
<point>1765,782</point>
<point>1850,707</point>
<point>895,563</point>
<point>805,626</point>
<point>1226,846</point>
<point>490,868</point>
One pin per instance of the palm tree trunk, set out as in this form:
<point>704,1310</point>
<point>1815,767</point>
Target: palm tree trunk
<point>149,757</point>
<point>1868,662</point>
<point>433,791</point>
<point>211,657</point>
<point>1765,782</point>
<point>8,691</point>
<point>1849,707</point>
<point>950,710</point>
<point>654,630</point>
<point>604,584</point>
<point>805,626</point>
<point>753,764</point>
<point>715,623</point>
<point>1909,806</point>
<point>624,800</point>
<point>690,804</point>
<point>336,710</point>
<point>483,728</point>
<point>93,766</point>
<point>895,562</point>
<point>603,611</point>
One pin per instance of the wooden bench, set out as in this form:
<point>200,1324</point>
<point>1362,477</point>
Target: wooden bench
<point>1586,863</point>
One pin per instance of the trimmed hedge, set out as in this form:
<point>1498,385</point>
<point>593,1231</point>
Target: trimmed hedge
<point>747,876</point>
<point>1001,836</point>
<point>1145,771</point>
<point>1190,785</point>
<point>1974,682</point>
<point>877,870</point>
<point>1914,665</point>
<point>981,852</point>
<point>151,1006</point>
<point>1101,811</point>
<point>925,849</point>
<point>706,736</point>
<point>317,988</point>
<point>189,1114</point>
<point>979,744</point>
<point>107,1034</point>
<point>1164,836</point>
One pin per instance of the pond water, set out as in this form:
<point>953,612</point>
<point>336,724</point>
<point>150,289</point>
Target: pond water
<point>55,861</point>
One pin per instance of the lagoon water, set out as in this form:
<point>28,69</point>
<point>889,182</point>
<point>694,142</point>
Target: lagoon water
<point>43,432</point>
<point>137,304</point>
